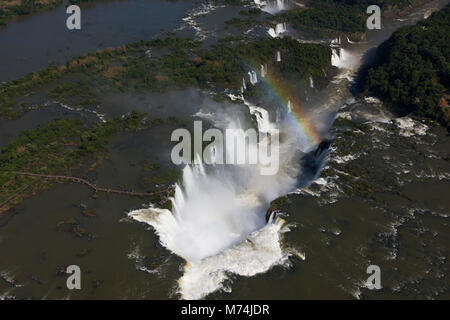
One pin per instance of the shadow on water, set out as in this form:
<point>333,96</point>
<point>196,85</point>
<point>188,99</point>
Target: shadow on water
<point>313,162</point>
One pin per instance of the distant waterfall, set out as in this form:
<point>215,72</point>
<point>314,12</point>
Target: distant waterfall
<point>336,41</point>
<point>343,59</point>
<point>278,56</point>
<point>279,29</point>
<point>272,7</point>
<point>289,106</point>
<point>253,78</point>
<point>263,71</point>
<point>262,118</point>
<point>311,82</point>
<point>244,86</point>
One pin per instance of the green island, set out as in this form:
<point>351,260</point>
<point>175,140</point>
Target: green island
<point>184,64</point>
<point>60,147</point>
<point>325,18</point>
<point>332,16</point>
<point>412,71</point>
<point>363,4</point>
<point>12,8</point>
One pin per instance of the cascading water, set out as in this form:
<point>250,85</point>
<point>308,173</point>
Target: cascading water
<point>218,207</point>
<point>252,77</point>
<point>272,7</point>
<point>343,59</point>
<point>279,29</point>
<point>278,56</point>
<point>336,42</point>
<point>311,82</point>
<point>289,106</point>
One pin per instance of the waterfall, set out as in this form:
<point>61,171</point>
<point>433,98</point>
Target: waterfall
<point>252,77</point>
<point>311,82</point>
<point>344,59</point>
<point>217,221</point>
<point>216,208</point>
<point>262,118</point>
<point>349,41</point>
<point>338,57</point>
<point>272,7</point>
<point>336,41</point>
<point>279,29</point>
<point>272,33</point>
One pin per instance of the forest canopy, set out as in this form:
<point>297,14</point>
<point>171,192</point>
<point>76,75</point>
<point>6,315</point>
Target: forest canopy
<point>412,71</point>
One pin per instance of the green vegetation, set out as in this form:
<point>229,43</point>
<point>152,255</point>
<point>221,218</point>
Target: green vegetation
<point>12,8</point>
<point>231,2</point>
<point>347,16</point>
<point>250,12</point>
<point>58,147</point>
<point>412,73</point>
<point>184,64</point>
<point>329,18</point>
<point>363,4</point>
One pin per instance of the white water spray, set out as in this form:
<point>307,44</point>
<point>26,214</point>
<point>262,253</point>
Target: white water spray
<point>252,77</point>
<point>217,222</point>
<point>272,7</point>
<point>343,59</point>
<point>279,29</point>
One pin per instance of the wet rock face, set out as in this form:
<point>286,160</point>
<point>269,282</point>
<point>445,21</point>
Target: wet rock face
<point>276,205</point>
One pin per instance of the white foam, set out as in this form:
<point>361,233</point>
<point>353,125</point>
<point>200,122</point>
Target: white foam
<point>408,127</point>
<point>258,253</point>
<point>343,59</point>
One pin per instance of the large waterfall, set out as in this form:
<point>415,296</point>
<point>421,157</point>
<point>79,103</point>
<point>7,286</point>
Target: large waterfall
<point>216,208</point>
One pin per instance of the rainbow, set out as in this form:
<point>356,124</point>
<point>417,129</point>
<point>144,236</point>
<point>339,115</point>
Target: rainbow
<point>279,90</point>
